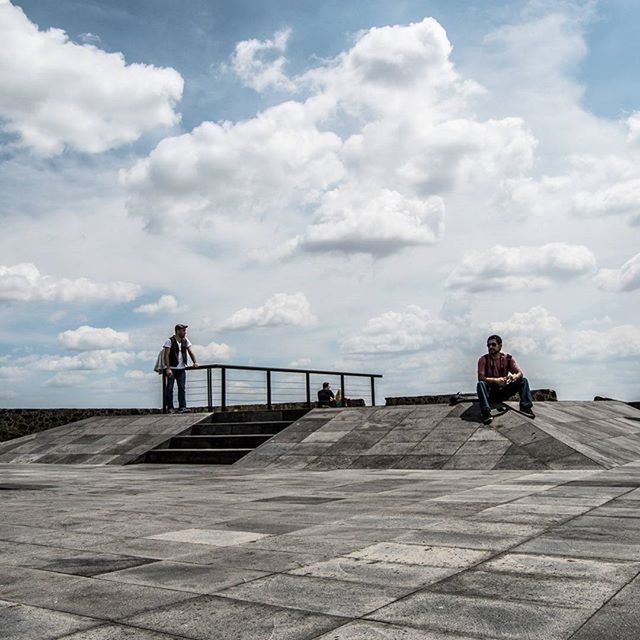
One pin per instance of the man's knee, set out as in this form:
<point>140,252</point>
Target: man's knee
<point>482,385</point>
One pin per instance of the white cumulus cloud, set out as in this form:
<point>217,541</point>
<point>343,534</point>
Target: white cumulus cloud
<point>212,353</point>
<point>514,268</point>
<point>64,380</point>
<point>258,65</point>
<point>397,331</point>
<point>57,94</point>
<point>626,278</point>
<point>165,304</point>
<point>99,360</point>
<point>354,221</point>
<point>24,283</point>
<point>86,338</point>
<point>282,309</point>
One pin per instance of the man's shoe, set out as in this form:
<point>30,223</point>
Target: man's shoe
<point>486,417</point>
<point>184,410</point>
<point>528,411</point>
<point>171,410</point>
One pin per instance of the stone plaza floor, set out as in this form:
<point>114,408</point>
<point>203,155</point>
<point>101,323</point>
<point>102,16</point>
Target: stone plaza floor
<point>158,552</point>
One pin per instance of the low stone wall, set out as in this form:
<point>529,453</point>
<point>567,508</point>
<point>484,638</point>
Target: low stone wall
<point>539,395</point>
<point>15,423</point>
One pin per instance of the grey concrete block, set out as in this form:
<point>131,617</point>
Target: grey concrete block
<point>215,618</point>
<point>321,595</point>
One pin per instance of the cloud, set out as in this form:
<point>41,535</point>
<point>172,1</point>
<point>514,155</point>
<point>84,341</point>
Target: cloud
<point>626,278</point>
<point>395,332</point>
<point>521,268</point>
<point>270,163</point>
<point>281,310</point>
<point>354,221</point>
<point>537,330</point>
<point>165,304</point>
<point>64,380</point>
<point>250,61</point>
<point>212,353</point>
<point>57,94</point>
<point>592,187</point>
<point>86,338</point>
<point>24,283</point>
<point>633,123</point>
<point>147,377</point>
<point>386,132</point>
<point>613,345</point>
<point>100,360</point>
<point>536,321</point>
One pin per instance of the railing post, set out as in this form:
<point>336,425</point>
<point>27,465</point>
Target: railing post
<point>164,391</point>
<point>373,391</point>
<point>223,388</point>
<point>307,377</point>
<point>269,389</point>
<point>344,402</point>
<point>209,390</point>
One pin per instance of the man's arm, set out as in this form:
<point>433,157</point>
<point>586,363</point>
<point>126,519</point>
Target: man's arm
<point>515,371</point>
<point>193,356</point>
<point>166,360</point>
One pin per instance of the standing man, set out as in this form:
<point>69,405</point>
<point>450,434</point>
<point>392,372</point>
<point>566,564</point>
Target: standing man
<point>176,349</point>
<point>499,377</point>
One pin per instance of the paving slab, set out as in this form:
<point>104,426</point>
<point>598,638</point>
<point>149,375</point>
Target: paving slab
<point>201,579</point>
<point>373,572</point>
<point>21,622</point>
<point>451,557</point>
<point>322,595</point>
<point>380,631</point>
<point>215,618</point>
<point>483,617</point>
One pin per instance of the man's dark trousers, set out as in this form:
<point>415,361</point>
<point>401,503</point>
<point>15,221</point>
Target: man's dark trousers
<point>488,393</point>
<point>179,376</point>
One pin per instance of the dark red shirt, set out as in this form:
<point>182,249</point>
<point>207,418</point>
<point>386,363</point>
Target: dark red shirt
<point>496,368</point>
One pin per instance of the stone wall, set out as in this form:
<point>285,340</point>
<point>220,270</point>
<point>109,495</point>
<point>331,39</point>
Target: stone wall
<point>539,395</point>
<point>15,423</point>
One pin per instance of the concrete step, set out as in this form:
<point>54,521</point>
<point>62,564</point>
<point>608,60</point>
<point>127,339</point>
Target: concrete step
<point>238,441</point>
<point>195,456</point>
<point>290,415</point>
<point>240,428</point>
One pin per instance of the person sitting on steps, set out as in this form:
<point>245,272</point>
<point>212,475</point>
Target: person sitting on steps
<point>500,377</point>
<point>326,397</point>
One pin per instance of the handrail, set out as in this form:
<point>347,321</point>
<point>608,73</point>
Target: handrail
<point>268,371</point>
<point>285,370</point>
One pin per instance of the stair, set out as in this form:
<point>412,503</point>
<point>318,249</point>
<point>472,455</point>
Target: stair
<point>223,438</point>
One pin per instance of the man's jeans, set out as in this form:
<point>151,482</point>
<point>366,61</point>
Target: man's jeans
<point>179,376</point>
<point>488,393</point>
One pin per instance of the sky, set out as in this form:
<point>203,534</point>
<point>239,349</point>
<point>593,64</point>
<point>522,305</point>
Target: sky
<point>361,186</point>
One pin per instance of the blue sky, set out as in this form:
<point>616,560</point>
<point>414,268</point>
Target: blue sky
<point>394,179</point>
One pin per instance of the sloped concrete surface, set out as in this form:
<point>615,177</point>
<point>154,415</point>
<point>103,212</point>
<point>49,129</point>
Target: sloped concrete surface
<point>100,440</point>
<point>213,553</point>
<point>564,435</point>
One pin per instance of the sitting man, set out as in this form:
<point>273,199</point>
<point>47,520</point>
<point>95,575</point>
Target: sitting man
<point>326,397</point>
<point>499,377</point>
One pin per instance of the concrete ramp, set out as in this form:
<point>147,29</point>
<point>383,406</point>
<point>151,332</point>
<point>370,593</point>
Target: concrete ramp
<point>100,440</point>
<point>564,435</point>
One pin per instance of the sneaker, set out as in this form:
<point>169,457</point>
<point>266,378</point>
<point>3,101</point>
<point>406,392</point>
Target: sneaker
<point>486,417</point>
<point>171,410</point>
<point>184,410</point>
<point>528,411</point>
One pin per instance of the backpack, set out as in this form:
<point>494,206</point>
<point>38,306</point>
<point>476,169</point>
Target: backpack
<point>159,365</point>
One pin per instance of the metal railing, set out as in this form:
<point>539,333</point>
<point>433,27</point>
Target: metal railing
<point>223,385</point>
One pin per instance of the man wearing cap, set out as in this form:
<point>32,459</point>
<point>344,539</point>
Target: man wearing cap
<point>176,349</point>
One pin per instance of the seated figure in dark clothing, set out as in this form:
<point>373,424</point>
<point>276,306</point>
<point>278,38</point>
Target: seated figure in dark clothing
<point>500,377</point>
<point>326,397</point>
